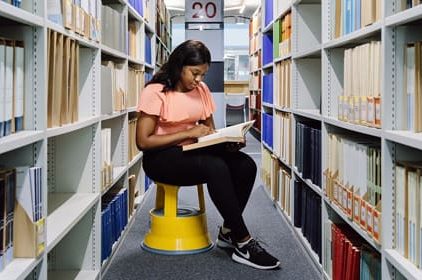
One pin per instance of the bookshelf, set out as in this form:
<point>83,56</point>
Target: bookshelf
<point>70,152</point>
<point>319,76</point>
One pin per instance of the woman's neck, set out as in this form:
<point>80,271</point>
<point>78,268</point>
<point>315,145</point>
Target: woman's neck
<point>181,88</point>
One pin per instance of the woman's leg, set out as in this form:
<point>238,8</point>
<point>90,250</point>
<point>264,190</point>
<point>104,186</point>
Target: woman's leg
<point>243,172</point>
<point>174,166</point>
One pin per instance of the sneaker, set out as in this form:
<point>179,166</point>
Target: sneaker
<point>254,255</point>
<point>224,240</point>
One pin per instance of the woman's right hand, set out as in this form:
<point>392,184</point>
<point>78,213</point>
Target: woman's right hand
<point>199,130</point>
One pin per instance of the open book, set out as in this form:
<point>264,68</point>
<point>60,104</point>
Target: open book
<point>234,133</point>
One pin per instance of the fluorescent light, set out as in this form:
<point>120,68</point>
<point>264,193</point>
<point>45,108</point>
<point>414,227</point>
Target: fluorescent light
<point>242,9</point>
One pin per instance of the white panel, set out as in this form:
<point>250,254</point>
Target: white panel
<point>213,39</point>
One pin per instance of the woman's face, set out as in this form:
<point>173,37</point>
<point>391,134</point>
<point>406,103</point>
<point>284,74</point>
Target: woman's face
<point>191,76</point>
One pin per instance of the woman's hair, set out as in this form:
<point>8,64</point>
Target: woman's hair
<point>188,53</point>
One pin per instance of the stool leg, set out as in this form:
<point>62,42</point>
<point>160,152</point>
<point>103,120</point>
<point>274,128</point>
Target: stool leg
<point>159,197</point>
<point>170,204</point>
<point>201,199</point>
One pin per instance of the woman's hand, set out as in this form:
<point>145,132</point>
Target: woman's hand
<point>199,130</point>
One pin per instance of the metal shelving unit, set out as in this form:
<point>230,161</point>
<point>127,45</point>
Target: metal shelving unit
<point>317,81</point>
<point>70,155</point>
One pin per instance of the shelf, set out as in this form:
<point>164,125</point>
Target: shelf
<point>308,113</point>
<point>19,15</point>
<point>135,160</point>
<point>269,105</point>
<point>268,65</point>
<point>68,128</point>
<point>19,268</point>
<point>147,65</point>
<point>284,12</point>
<point>406,268</point>
<point>308,182</point>
<point>407,138</point>
<point>162,43</point>
<point>110,51</point>
<point>118,172</point>
<point>73,274</point>
<point>281,58</point>
<point>284,162</point>
<point>148,28</point>
<point>376,132</point>
<point>355,227</point>
<point>354,36</point>
<point>310,53</point>
<point>308,248</point>
<point>269,27</point>
<point>82,40</point>
<point>69,209</point>
<point>405,16</point>
<point>267,147</point>
<point>282,109</point>
<point>131,109</point>
<point>20,139</point>
<point>113,115</point>
<point>134,13</point>
<point>135,61</point>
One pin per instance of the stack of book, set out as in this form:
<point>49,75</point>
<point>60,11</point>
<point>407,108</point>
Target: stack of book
<point>113,87</point>
<point>138,5</point>
<point>412,99</point>
<point>308,152</point>
<point>12,86</point>
<point>355,188</point>
<point>135,85</point>
<point>133,149</point>
<point>282,85</point>
<point>106,165</point>
<point>307,215</point>
<point>350,257</point>
<point>63,80</point>
<point>352,15</point>
<point>408,211</point>
<point>82,17</point>
<point>282,136</point>
<point>114,22</point>
<point>22,233</point>
<point>361,100</point>
<point>134,40</point>
<point>114,218</point>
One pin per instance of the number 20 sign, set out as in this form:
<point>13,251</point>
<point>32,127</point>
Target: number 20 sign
<point>204,11</point>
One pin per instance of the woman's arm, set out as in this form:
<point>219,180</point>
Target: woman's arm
<point>145,138</point>
<point>209,122</point>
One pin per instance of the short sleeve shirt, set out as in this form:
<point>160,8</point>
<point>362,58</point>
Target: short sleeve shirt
<point>177,111</point>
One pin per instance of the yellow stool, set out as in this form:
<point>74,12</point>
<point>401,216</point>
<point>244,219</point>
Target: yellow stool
<point>177,231</point>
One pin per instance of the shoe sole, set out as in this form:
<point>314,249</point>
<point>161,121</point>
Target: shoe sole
<point>241,260</point>
<point>224,244</point>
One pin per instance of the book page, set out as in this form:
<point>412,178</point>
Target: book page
<point>238,130</point>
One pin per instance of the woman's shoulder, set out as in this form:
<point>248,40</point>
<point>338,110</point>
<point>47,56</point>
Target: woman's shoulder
<point>204,86</point>
<point>154,87</point>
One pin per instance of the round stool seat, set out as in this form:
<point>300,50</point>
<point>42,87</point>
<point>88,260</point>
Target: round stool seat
<point>174,230</point>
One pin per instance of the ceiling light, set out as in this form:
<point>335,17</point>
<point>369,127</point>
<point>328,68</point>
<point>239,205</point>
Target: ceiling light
<point>242,9</point>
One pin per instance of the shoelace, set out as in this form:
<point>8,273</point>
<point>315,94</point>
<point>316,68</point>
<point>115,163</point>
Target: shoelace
<point>254,245</point>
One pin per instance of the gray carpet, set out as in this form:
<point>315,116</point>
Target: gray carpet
<point>263,220</point>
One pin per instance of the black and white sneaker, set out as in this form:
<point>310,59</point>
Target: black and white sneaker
<point>224,240</point>
<point>254,255</point>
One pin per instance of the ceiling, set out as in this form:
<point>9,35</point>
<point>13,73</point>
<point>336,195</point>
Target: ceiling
<point>231,7</point>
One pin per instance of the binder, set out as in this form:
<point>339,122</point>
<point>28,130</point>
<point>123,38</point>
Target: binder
<point>19,86</point>
<point>2,86</point>
<point>29,227</point>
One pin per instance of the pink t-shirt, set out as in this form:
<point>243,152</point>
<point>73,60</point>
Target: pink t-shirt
<point>178,111</point>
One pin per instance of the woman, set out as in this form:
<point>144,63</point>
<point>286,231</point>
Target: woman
<point>175,108</point>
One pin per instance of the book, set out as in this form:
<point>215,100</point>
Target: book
<point>234,133</point>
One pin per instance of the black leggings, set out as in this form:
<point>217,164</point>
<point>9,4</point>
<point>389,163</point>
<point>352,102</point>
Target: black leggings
<point>230,177</point>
